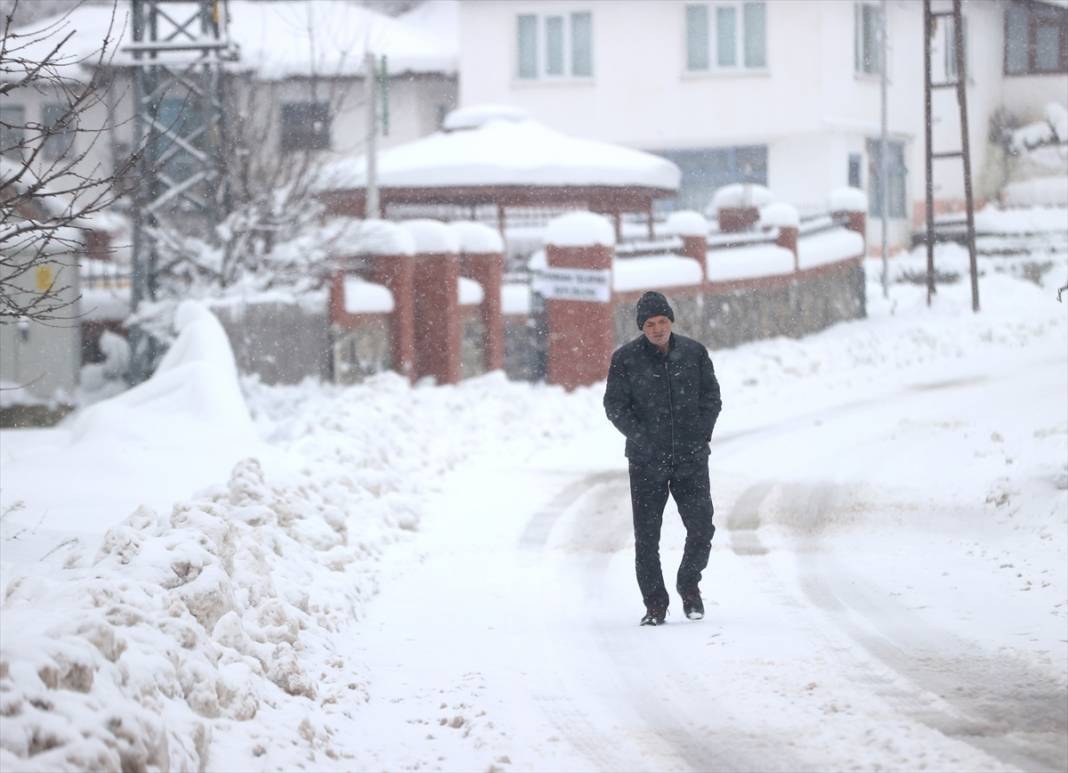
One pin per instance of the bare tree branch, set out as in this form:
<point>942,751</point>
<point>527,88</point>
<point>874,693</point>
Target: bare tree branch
<point>48,192</point>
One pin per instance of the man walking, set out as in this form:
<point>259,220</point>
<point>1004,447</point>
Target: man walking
<point>663,396</point>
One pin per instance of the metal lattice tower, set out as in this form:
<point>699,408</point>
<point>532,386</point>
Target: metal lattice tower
<point>178,52</point>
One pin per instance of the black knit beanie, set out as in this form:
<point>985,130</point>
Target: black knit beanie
<point>653,304</point>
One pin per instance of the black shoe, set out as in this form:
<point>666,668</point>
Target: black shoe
<point>692,606</point>
<point>654,617</point>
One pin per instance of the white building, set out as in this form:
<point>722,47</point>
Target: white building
<point>781,92</point>
<point>304,60</point>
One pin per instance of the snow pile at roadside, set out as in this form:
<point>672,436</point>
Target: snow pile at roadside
<point>219,610</point>
<point>225,616</point>
<point>194,392</point>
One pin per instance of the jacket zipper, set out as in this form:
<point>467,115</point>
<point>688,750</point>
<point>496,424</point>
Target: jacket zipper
<point>671,409</point>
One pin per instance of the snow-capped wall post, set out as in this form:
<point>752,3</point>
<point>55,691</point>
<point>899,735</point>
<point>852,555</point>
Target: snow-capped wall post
<point>786,218</point>
<point>692,228</point>
<point>737,206</point>
<point>851,204</point>
<point>577,287</point>
<point>437,302</point>
<point>482,259</point>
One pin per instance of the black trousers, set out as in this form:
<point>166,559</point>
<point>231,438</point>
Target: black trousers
<point>649,487</point>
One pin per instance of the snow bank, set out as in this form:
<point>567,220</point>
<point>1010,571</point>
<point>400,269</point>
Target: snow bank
<point>739,195</point>
<point>194,388</point>
<point>686,222</point>
<point>469,292</point>
<point>178,621</point>
<point>1052,130</point>
<point>479,115</point>
<point>653,272</point>
<point>432,237</point>
<point>760,260</point>
<point>515,299</point>
<point>1022,221</point>
<point>371,237</point>
<point>363,297</point>
<point>780,215</point>
<point>477,238</point>
<point>829,247</point>
<point>580,229</point>
<point>1037,192</point>
<point>848,200</point>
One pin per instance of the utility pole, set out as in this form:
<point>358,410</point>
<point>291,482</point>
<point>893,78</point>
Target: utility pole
<point>371,208</point>
<point>180,121</point>
<point>965,145</point>
<point>884,165</point>
<point>928,32</point>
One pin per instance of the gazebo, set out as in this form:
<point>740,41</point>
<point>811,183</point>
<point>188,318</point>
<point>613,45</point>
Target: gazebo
<point>498,156</point>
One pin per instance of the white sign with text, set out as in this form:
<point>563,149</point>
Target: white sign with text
<point>574,284</point>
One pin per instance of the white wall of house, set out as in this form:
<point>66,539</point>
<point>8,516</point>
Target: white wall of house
<point>808,105</point>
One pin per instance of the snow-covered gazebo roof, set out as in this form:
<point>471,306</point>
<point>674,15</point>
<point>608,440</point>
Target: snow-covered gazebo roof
<point>499,155</point>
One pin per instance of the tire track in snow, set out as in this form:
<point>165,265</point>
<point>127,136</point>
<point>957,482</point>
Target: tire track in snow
<point>669,737</point>
<point>1003,707</point>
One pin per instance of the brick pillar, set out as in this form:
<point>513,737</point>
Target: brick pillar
<point>787,239</point>
<point>581,335</point>
<point>482,259</point>
<point>437,303</point>
<point>855,221</point>
<point>692,228</point>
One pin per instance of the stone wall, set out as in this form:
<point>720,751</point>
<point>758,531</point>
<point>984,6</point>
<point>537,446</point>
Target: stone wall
<point>794,307</point>
<point>283,343</point>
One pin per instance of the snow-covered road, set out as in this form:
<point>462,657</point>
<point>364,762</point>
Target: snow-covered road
<point>442,578</point>
<point>515,633</point>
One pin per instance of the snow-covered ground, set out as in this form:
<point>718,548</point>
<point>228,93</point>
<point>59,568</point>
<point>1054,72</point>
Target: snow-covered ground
<point>389,577</point>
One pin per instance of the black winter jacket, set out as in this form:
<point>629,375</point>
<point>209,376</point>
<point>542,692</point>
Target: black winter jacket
<point>666,405</point>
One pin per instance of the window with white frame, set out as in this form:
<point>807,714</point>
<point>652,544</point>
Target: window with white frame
<point>949,45</point>
<point>554,45</point>
<point>867,49</point>
<point>12,129</point>
<point>726,36</point>
<point>56,120</point>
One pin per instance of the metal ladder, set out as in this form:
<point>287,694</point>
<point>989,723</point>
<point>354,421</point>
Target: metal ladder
<point>960,84</point>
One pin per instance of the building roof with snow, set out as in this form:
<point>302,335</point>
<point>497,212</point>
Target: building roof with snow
<point>276,40</point>
<point>487,148</point>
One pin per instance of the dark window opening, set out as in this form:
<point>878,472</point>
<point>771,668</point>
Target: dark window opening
<point>305,126</point>
<point>1036,39</point>
<point>707,169</point>
<point>895,176</point>
<point>854,170</point>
